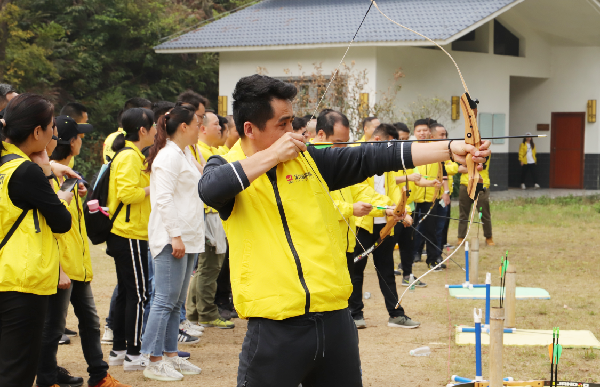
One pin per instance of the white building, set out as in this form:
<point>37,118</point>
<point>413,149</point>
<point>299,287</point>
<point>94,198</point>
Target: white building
<point>533,64</point>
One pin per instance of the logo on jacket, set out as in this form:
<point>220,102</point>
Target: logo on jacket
<point>293,178</point>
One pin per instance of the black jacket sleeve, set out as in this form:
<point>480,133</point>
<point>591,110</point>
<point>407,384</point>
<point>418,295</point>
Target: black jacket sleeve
<point>29,188</point>
<point>343,167</point>
<point>220,183</point>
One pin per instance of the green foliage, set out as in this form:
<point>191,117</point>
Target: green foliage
<point>100,53</point>
<point>435,107</point>
<point>589,354</point>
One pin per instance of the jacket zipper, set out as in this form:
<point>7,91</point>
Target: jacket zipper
<point>272,175</point>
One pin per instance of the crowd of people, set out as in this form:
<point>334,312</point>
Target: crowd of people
<point>208,218</point>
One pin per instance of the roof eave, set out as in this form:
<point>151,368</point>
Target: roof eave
<point>336,45</point>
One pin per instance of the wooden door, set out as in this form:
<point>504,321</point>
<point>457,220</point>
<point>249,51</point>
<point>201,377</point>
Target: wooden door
<point>567,150</point>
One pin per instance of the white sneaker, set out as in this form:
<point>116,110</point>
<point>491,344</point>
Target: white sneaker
<point>523,186</point>
<point>107,338</point>
<point>162,370</point>
<point>187,324</point>
<point>183,366</point>
<point>114,359</point>
<point>191,329</point>
<point>138,364</point>
<point>536,186</point>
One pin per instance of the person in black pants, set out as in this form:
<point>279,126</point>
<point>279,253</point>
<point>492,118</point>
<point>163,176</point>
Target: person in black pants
<point>223,293</point>
<point>403,236</point>
<point>31,213</point>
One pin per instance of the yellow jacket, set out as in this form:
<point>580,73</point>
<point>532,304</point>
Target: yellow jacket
<point>74,247</point>
<point>425,194</point>
<point>345,198</point>
<point>523,153</point>
<point>127,183</point>
<point>285,244</point>
<point>451,170</point>
<point>108,143</point>
<point>29,260</point>
<point>411,185</point>
<point>206,151</point>
<point>391,191</point>
<point>485,175</point>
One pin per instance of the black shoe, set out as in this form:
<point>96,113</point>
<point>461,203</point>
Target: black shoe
<point>443,265</point>
<point>65,379</point>
<point>434,265</point>
<point>397,272</point>
<point>224,313</point>
<point>70,333</point>
<point>417,258</point>
<point>64,340</point>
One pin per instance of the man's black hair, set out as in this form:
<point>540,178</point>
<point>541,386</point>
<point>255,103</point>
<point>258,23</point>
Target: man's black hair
<point>367,120</point>
<point>308,117</point>
<point>193,98</point>
<point>401,127</point>
<point>5,88</point>
<point>435,125</point>
<point>160,108</point>
<point>74,110</point>
<point>386,131</point>
<point>327,120</point>
<point>299,123</point>
<point>135,102</point>
<point>252,100</point>
<point>222,123</point>
<point>424,121</point>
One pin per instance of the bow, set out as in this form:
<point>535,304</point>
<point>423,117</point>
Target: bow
<point>400,211</point>
<point>436,191</point>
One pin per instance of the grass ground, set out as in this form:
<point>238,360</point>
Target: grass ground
<point>553,245</point>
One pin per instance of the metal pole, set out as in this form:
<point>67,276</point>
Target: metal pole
<point>467,262</point>
<point>488,296</point>
<point>474,260</point>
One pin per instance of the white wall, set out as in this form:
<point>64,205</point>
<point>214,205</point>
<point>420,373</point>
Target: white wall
<point>234,65</point>
<point>574,79</point>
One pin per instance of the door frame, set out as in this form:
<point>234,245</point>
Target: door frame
<point>553,143</point>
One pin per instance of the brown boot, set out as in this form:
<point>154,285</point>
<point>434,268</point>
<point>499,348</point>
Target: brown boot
<point>109,381</point>
<point>460,240</point>
<point>489,242</point>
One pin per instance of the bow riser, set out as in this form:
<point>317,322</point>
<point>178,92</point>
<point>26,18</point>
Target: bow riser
<point>472,137</point>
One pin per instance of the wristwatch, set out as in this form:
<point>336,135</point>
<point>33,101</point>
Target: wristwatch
<point>447,192</point>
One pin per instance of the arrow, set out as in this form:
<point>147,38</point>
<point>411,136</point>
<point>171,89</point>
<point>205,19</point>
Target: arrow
<point>325,143</point>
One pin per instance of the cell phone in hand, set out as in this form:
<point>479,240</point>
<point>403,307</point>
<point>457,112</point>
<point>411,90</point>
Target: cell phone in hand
<point>68,184</point>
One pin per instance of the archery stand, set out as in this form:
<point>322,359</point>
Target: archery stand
<point>473,276</point>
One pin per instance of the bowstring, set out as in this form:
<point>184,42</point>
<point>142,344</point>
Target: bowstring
<point>440,250</point>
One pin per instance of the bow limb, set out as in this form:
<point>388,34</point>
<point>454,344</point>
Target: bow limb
<point>472,137</point>
<point>400,210</point>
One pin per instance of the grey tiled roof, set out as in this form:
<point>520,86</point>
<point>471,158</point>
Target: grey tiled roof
<point>293,22</point>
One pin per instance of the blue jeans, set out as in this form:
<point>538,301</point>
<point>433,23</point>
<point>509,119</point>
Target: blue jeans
<point>171,280</point>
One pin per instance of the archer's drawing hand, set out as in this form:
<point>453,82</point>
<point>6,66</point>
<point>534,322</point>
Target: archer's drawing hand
<point>288,147</point>
<point>361,209</point>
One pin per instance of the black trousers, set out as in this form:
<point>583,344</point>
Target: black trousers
<point>446,226</point>
<point>427,228</point>
<point>224,283</point>
<point>403,236</point>
<point>350,262</point>
<point>317,350</point>
<point>383,258</point>
<point>131,261</point>
<point>21,324</point>
<point>80,294</point>
<point>529,169</point>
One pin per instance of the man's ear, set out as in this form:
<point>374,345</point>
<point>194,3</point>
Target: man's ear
<point>376,138</point>
<point>249,129</point>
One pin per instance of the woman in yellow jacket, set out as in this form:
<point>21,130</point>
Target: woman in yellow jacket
<point>528,160</point>
<point>30,212</point>
<point>76,268</point>
<point>128,193</point>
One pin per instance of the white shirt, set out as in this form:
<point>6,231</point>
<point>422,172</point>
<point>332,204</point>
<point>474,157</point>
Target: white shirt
<point>177,209</point>
<point>530,159</point>
<point>379,186</point>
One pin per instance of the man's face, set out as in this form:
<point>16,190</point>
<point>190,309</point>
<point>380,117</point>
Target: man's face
<point>370,127</point>
<point>341,133</point>
<point>440,133</point>
<point>212,130</point>
<point>422,132</point>
<point>201,111</point>
<point>276,127</point>
<point>403,135</point>
<point>83,119</point>
<point>76,144</point>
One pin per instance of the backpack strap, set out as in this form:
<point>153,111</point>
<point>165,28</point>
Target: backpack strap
<point>3,160</point>
<point>119,207</point>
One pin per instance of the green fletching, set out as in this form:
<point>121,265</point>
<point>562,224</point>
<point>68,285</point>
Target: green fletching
<point>558,353</point>
<point>323,146</point>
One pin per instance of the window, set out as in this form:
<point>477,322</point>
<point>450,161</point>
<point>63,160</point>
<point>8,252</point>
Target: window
<point>505,42</point>
<point>492,125</point>
<point>477,40</point>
